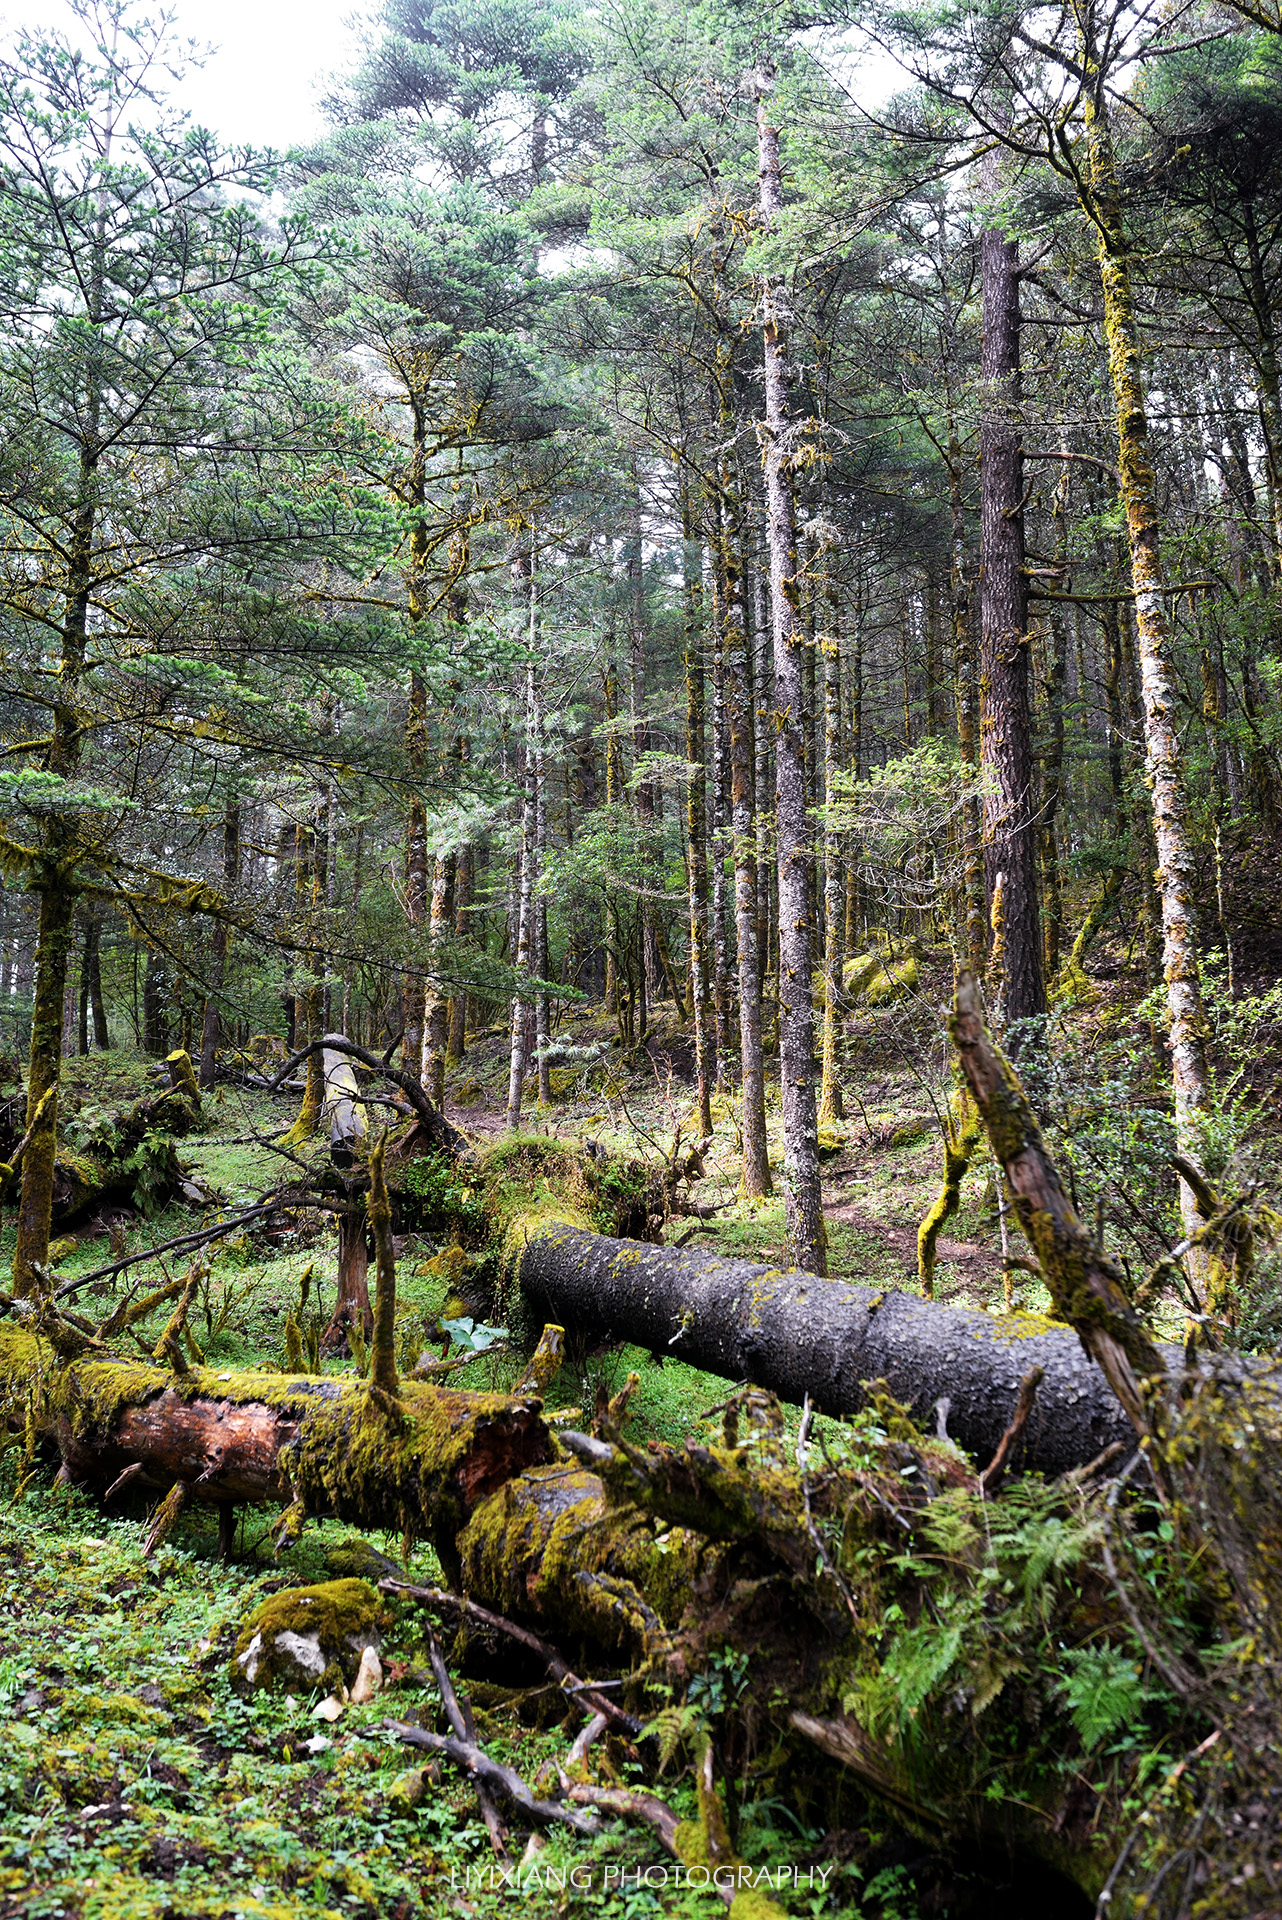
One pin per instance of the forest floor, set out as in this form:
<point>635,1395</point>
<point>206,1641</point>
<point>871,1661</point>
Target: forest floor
<point>137,1783</point>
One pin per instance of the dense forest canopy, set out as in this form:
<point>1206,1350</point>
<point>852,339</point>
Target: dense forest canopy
<point>575,617</point>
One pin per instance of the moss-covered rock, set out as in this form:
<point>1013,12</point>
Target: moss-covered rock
<point>309,1636</point>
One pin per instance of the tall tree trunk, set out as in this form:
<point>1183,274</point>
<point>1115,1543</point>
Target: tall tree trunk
<point>1053,751</point>
<point>831,1105</point>
<point>435,999</point>
<point>738,699</point>
<point>1176,876</point>
<point>762,689</point>
<point>464,881</point>
<point>973,918</point>
<point>705,1066</point>
<point>647,799</point>
<point>613,794</point>
<point>82,1025</point>
<point>523,578</point>
<point>218,970</point>
<point>44,1066</point>
<point>93,959</point>
<point>803,1199</point>
<point>542,957</point>
<point>718,809</point>
<point>1262,310</point>
<point>416,885</point>
<point>1006,751</point>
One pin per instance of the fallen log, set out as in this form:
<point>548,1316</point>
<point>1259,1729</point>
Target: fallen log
<point>320,1446</point>
<point>799,1335</point>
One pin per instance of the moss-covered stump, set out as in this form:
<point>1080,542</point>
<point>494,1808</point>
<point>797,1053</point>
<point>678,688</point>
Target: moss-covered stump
<point>309,1636</point>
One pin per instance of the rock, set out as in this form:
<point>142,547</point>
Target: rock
<point>309,1636</point>
<point>369,1678</point>
<point>330,1709</point>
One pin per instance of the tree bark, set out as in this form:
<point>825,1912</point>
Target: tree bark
<point>799,1335</point>
<point>44,1068</point>
<point>803,1205</point>
<point>973,919</point>
<point>1176,875</point>
<point>1006,754</point>
<point>743,840</point>
<point>705,1067</point>
<point>523,573</point>
<point>831,1106</point>
<point>231,875</point>
<point>282,1438</point>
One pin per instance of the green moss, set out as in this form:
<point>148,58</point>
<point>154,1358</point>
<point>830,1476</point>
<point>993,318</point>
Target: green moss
<point>339,1616</point>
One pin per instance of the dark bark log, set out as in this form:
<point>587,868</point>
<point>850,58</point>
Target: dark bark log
<point>799,1335</point>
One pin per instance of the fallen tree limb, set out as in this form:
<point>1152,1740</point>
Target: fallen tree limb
<point>460,1718</point>
<point>580,1693</point>
<point>1085,1285</point>
<point>436,1128</point>
<point>498,1779</point>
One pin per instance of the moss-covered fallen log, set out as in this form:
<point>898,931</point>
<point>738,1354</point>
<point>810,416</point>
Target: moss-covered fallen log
<point>799,1335</point>
<point>317,1446</point>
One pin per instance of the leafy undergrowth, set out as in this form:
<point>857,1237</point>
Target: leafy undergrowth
<point>135,1781</point>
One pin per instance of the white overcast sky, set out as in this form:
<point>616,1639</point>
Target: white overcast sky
<point>273,57</point>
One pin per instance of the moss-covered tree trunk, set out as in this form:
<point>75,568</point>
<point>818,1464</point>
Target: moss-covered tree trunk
<point>705,1063</point>
<point>53,955</point>
<point>1176,877</point>
<point>831,1107</point>
<point>803,1205</point>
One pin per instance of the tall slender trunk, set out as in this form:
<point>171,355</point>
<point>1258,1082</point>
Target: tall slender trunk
<point>53,875</point>
<point>705,1067</point>
<point>542,958</point>
<point>613,795</point>
<point>647,801</point>
<point>416,886</point>
<point>743,842</point>
<point>1262,310</point>
<point>1053,752</point>
<point>718,810</point>
<point>831,1105</point>
<point>93,963</point>
<point>44,1066</point>
<point>435,998</point>
<point>218,969</point>
<point>762,689</point>
<point>1006,752</point>
<point>974,921</point>
<point>803,1199</point>
<point>523,578</point>
<point>1176,877</point>
<point>464,883</point>
<point>854,757</point>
